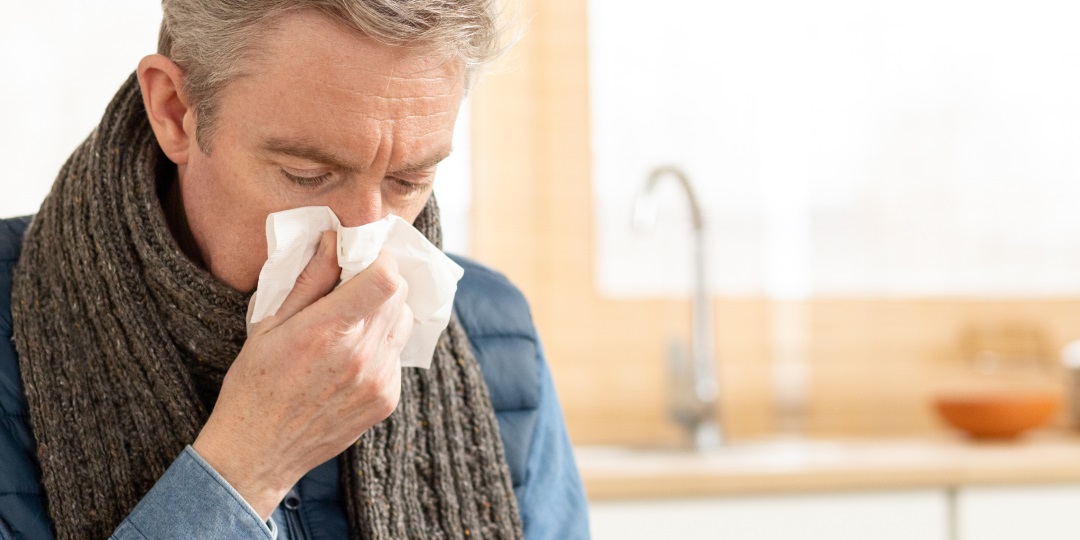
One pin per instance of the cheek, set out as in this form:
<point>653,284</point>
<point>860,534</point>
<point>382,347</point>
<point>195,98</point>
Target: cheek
<point>219,201</point>
<point>408,210</point>
<point>227,218</point>
<point>417,208</point>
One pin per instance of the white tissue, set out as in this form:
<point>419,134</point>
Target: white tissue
<point>293,235</point>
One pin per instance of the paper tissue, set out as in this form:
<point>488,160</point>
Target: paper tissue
<point>293,235</point>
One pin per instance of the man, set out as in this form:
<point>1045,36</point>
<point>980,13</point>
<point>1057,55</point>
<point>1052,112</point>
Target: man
<point>136,404</point>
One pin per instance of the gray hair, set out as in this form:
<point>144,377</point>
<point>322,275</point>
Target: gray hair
<point>209,38</point>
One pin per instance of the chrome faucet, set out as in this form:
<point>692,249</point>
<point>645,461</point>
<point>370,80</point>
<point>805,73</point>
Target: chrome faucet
<point>694,390</point>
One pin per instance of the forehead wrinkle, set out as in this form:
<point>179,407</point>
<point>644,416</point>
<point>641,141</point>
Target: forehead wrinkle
<point>423,95</point>
<point>446,85</point>
<point>419,97</point>
<point>448,82</point>
<point>429,134</point>
<point>389,114</point>
<point>420,116</point>
<point>375,105</point>
<point>435,81</point>
<point>444,70</point>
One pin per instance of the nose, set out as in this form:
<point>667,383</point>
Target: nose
<point>360,207</point>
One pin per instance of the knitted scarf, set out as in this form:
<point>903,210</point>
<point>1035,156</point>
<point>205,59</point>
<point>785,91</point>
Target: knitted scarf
<point>123,343</point>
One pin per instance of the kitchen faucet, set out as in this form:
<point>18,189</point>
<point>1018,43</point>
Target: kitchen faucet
<point>694,389</point>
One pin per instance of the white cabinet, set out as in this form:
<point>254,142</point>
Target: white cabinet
<point>891,515</point>
<point>1042,512</point>
<point>1018,513</point>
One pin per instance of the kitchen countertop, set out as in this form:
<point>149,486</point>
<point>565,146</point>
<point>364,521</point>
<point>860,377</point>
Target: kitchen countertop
<point>805,465</point>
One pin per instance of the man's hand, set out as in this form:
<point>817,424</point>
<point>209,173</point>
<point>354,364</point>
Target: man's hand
<point>310,379</point>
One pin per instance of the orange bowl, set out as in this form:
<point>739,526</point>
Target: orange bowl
<point>999,415</point>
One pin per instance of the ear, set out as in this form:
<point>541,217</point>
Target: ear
<point>167,107</point>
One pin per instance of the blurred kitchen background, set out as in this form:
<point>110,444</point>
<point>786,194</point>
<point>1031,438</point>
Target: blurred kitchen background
<point>889,238</point>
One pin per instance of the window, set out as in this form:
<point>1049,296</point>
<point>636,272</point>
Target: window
<point>841,147</point>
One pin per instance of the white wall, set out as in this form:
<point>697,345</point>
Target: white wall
<point>842,147</point>
<point>61,62</point>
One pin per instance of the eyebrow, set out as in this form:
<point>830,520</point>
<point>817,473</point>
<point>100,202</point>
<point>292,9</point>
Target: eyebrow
<point>308,151</point>
<point>311,152</point>
<point>424,164</point>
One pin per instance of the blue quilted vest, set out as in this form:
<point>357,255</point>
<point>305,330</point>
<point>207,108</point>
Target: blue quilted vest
<point>493,312</point>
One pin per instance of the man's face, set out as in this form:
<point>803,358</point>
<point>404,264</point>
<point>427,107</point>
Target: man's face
<point>325,117</point>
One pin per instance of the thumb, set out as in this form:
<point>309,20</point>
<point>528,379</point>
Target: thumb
<point>319,277</point>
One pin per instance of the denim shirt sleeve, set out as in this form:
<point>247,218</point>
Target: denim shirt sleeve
<point>552,503</point>
<point>191,500</point>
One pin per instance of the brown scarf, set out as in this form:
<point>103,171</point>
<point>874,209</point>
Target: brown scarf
<point>123,343</point>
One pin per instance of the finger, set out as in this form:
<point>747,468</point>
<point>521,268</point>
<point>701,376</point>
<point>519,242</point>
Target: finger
<point>362,296</point>
<point>375,328</point>
<point>319,277</point>
<point>400,331</point>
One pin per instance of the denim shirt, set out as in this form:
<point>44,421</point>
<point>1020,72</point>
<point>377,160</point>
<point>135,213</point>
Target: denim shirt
<point>191,500</point>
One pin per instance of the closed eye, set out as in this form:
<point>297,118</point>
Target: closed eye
<point>306,181</point>
<point>406,188</point>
